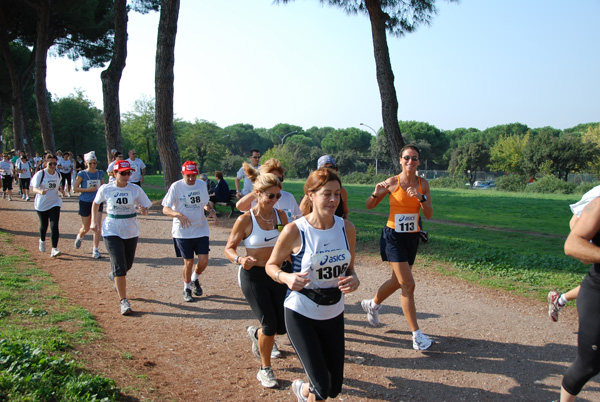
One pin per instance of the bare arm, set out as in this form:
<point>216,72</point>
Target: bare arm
<point>185,222</point>
<point>349,282</point>
<point>578,243</point>
<point>287,243</point>
<point>241,229</point>
<point>381,190</point>
<point>245,203</point>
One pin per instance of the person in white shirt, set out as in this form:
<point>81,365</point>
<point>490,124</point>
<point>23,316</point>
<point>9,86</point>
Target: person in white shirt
<point>65,166</point>
<point>117,156</point>
<point>254,160</point>
<point>139,168</point>
<point>287,203</point>
<point>23,169</point>
<point>7,170</point>
<point>47,203</point>
<point>120,229</point>
<point>185,202</point>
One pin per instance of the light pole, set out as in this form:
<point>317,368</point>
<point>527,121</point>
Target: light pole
<point>285,136</point>
<point>376,132</point>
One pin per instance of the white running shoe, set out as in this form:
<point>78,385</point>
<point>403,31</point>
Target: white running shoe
<point>77,242</point>
<point>275,353</point>
<point>27,198</point>
<point>96,254</point>
<point>23,196</point>
<point>252,331</point>
<point>67,194</point>
<point>267,378</point>
<point>125,307</point>
<point>55,253</point>
<point>553,306</point>
<point>42,246</point>
<point>372,312</point>
<point>421,341</point>
<point>297,390</point>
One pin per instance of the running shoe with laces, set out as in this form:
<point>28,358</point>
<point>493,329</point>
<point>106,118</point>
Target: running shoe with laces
<point>372,312</point>
<point>421,341</point>
<point>252,332</point>
<point>297,390</point>
<point>553,306</point>
<point>125,307</point>
<point>27,198</point>
<point>55,253</point>
<point>42,246</point>
<point>267,378</point>
<point>275,353</point>
<point>187,295</point>
<point>196,288</point>
<point>77,242</point>
<point>96,254</point>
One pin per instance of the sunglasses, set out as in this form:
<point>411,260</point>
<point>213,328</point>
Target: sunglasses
<point>52,164</point>
<point>126,173</point>
<point>255,157</point>
<point>271,195</point>
<point>407,158</point>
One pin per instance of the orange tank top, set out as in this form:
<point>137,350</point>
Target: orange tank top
<point>404,210</point>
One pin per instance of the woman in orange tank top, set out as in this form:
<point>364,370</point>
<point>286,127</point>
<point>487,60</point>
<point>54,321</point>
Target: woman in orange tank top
<point>400,239</point>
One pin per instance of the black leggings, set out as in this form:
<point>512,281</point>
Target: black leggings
<point>65,177</point>
<point>52,215</point>
<point>265,297</point>
<point>121,253</point>
<point>320,345</point>
<point>587,363</point>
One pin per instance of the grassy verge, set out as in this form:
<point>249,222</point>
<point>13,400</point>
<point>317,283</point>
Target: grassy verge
<point>38,330</point>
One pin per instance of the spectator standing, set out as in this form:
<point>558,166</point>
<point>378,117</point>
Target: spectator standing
<point>241,174</point>
<point>185,202</point>
<point>139,168</point>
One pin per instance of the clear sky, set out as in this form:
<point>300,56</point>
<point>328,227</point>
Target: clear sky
<point>481,63</point>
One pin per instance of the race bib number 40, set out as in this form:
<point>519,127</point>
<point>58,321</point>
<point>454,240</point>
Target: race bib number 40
<point>406,223</point>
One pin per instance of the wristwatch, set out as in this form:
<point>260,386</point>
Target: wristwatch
<point>424,199</point>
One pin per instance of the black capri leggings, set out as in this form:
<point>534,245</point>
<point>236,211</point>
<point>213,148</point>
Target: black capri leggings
<point>587,363</point>
<point>52,215</point>
<point>265,297</point>
<point>320,345</point>
<point>65,177</point>
<point>121,253</point>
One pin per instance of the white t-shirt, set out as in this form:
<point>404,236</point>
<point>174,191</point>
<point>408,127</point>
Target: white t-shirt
<point>121,201</point>
<point>109,169</point>
<point>50,182</point>
<point>248,186</point>
<point>137,165</point>
<point>287,203</point>
<point>190,201</point>
<point>26,166</point>
<point>579,206</point>
<point>6,168</point>
<point>65,165</point>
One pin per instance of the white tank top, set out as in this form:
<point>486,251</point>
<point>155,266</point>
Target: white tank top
<point>260,238</point>
<point>325,255</point>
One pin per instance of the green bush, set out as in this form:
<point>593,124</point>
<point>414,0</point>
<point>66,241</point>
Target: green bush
<point>511,182</point>
<point>550,184</point>
<point>584,187</point>
<point>363,178</point>
<point>447,182</point>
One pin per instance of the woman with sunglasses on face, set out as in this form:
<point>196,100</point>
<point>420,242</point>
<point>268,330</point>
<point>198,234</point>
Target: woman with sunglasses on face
<point>259,229</point>
<point>87,183</point>
<point>47,202</point>
<point>287,203</point>
<point>321,246</point>
<point>120,228</point>
<point>400,239</point>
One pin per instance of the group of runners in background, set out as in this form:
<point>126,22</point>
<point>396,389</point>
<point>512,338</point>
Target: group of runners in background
<point>299,260</point>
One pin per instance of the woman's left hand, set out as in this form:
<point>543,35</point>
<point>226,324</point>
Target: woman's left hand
<point>348,284</point>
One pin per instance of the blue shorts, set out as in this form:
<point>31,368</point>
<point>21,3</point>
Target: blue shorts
<point>187,247</point>
<point>85,208</point>
<point>398,247</point>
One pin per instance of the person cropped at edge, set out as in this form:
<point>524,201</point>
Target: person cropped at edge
<point>120,229</point>
<point>259,229</point>
<point>47,203</point>
<point>287,203</point>
<point>583,243</point>
<point>87,183</point>
<point>399,241</point>
<point>185,202</point>
<point>321,246</point>
<point>254,160</point>
<point>327,161</point>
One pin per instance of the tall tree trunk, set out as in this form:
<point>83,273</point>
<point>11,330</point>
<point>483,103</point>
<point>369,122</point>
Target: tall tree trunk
<point>385,80</point>
<point>165,61</point>
<point>111,78</point>
<point>41,92</point>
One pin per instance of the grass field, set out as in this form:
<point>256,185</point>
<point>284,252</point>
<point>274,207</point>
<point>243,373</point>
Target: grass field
<point>512,241</point>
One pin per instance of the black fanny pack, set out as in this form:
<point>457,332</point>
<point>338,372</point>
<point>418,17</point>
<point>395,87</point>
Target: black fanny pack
<point>323,297</point>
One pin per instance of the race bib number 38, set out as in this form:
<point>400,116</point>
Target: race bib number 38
<point>406,223</point>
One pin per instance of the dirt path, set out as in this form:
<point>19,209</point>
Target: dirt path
<point>491,346</point>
